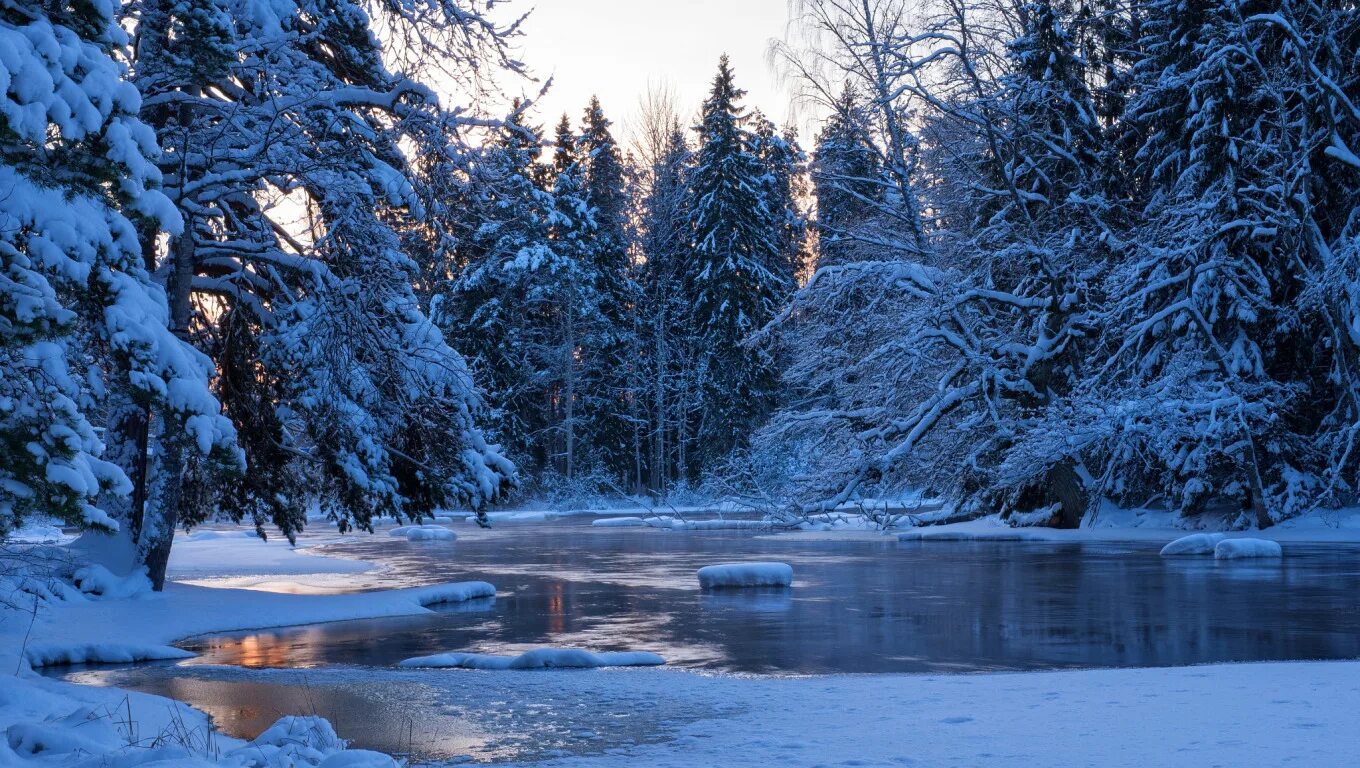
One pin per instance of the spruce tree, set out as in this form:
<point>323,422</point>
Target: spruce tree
<point>670,350</point>
<point>1204,303</point>
<point>785,187</point>
<point>576,329</point>
<point>482,307</point>
<point>610,424</point>
<point>729,281</point>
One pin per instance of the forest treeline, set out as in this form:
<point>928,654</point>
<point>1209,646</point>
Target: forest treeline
<point>1040,255</point>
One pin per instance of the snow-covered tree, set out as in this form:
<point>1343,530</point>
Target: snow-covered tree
<point>286,140</point>
<point>82,324</point>
<point>482,304</point>
<point>671,352</point>
<point>730,278</point>
<point>785,188</point>
<point>1213,375</point>
<point>611,425</point>
<point>847,180</point>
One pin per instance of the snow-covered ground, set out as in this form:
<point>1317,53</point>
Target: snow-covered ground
<point>1232,715</point>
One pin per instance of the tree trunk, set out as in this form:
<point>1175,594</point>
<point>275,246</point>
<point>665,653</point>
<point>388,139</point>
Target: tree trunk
<point>158,528</point>
<point>1066,487</point>
<point>569,397</point>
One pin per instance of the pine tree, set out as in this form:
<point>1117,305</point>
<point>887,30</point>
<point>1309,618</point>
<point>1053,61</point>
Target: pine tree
<point>578,329</point>
<point>729,282</point>
<point>610,424</point>
<point>846,178</point>
<point>482,308</point>
<point>82,325</point>
<point>785,186</point>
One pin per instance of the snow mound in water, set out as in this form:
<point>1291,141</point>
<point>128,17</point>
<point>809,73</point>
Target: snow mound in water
<point>746,575</point>
<point>1194,544</point>
<point>1234,549</point>
<point>456,592</point>
<point>539,658</point>
<point>423,533</point>
<point>619,522</point>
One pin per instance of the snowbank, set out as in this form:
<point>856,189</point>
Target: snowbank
<point>1194,544</point>
<point>746,575</point>
<point>539,658</point>
<point>423,533</point>
<point>619,522</point>
<point>1235,549</point>
<point>57,654</point>
<point>1112,524</point>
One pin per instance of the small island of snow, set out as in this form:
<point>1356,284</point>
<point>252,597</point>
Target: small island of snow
<point>1235,549</point>
<point>728,575</point>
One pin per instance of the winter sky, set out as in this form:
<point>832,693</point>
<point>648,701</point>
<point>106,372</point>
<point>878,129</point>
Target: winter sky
<point>615,48</point>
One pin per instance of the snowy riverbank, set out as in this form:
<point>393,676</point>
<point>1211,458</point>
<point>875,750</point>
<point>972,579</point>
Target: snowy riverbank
<point>1240,715</point>
<point>52,723</point>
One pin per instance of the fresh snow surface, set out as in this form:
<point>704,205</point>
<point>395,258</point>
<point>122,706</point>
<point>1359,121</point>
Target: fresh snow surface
<point>539,658</point>
<point>1194,544</point>
<point>746,575</point>
<point>423,533</point>
<point>1234,549</point>
<point>210,554</point>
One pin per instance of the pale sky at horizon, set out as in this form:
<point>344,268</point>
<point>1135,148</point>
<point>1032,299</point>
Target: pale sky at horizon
<point>616,48</point>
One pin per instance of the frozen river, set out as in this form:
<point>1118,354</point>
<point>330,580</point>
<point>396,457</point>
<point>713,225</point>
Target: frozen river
<point>868,605</point>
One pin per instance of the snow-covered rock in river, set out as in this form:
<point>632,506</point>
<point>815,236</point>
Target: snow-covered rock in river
<point>746,575</point>
<point>1235,549</point>
<point>1194,544</point>
<point>423,533</point>
<point>539,658</point>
